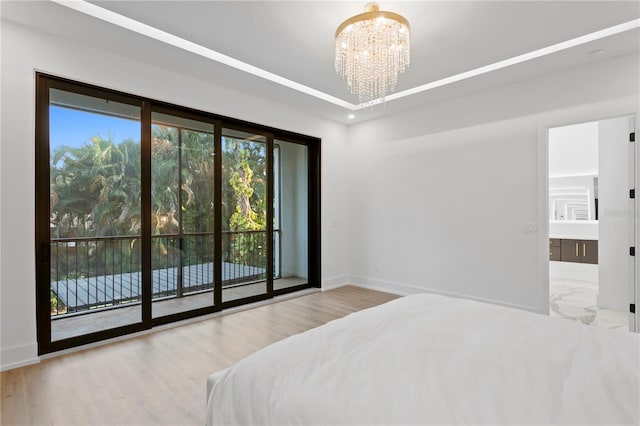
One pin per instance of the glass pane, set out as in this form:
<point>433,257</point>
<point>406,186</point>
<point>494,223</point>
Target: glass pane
<point>291,229</point>
<point>94,214</point>
<point>182,188</point>
<point>244,215</point>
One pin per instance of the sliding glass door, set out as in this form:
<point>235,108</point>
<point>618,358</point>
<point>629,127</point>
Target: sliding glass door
<point>183,200</point>
<point>93,222</point>
<point>148,213</point>
<point>246,247</point>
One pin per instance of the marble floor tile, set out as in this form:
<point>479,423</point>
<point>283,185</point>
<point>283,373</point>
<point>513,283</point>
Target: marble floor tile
<point>576,300</point>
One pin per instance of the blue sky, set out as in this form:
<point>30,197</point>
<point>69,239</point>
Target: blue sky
<point>75,128</point>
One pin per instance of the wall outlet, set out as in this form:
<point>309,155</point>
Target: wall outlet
<point>530,228</point>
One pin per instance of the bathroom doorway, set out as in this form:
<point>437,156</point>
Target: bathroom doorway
<point>591,226</point>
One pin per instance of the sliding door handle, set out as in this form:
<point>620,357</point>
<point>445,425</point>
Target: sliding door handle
<point>584,249</point>
<point>577,252</point>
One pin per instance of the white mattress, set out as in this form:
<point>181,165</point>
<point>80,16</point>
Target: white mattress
<point>428,359</point>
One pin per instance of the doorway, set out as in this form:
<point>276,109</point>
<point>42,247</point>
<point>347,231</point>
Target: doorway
<point>591,224</point>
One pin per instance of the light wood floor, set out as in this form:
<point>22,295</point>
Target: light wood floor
<point>159,378</point>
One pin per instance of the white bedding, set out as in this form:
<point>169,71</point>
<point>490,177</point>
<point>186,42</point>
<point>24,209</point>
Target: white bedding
<point>428,359</point>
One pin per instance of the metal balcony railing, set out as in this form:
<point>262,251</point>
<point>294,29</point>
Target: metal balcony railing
<point>105,272</point>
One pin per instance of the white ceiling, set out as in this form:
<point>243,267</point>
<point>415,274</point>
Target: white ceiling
<point>294,40</point>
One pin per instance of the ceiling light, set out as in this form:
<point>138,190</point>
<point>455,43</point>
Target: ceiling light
<point>351,116</point>
<point>372,48</point>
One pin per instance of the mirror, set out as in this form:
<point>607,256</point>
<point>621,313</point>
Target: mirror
<point>573,198</point>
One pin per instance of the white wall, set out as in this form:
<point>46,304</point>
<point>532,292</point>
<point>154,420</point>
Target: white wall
<point>25,50</point>
<point>573,150</point>
<point>444,212</point>
<point>442,197</point>
<point>614,218</point>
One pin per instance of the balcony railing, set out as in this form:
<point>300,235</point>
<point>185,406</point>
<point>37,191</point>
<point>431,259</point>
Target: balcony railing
<point>105,272</point>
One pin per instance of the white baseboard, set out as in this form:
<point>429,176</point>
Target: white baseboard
<point>19,356</point>
<point>335,282</point>
<point>387,286</point>
<point>407,289</point>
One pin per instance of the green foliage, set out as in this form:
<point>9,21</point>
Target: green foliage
<point>244,169</point>
<point>198,184</point>
<point>96,190</point>
<point>57,307</point>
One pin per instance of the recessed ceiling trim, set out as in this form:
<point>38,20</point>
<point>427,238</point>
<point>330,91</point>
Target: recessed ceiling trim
<point>106,15</point>
<point>114,18</point>
<point>616,29</point>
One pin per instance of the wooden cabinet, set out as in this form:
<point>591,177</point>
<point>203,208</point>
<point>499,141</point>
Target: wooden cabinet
<point>570,251</point>
<point>589,251</point>
<point>577,251</point>
<point>554,249</point>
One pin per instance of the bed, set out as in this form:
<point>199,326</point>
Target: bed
<point>430,359</point>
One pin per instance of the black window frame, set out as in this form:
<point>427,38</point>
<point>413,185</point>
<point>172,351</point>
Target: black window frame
<point>44,82</point>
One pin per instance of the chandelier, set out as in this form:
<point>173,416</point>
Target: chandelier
<point>372,48</point>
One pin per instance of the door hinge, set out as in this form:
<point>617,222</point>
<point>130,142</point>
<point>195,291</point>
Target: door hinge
<point>632,137</point>
<point>632,193</point>
<point>632,308</point>
<point>632,251</point>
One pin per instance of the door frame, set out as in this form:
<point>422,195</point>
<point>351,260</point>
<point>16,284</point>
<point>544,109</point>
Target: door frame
<point>594,112</point>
